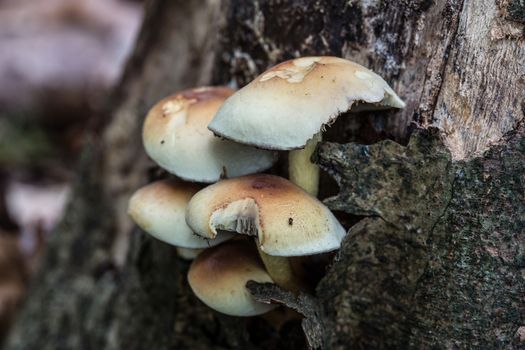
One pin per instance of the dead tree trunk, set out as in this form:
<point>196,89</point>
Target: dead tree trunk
<point>437,258</point>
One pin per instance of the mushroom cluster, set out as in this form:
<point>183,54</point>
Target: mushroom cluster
<point>248,225</point>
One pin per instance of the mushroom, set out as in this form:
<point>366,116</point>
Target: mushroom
<point>219,275</point>
<point>285,220</point>
<point>288,106</point>
<point>175,137</point>
<point>159,209</point>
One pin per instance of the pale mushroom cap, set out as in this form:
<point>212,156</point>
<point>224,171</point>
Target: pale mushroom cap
<point>159,209</point>
<point>286,220</point>
<point>176,137</point>
<point>218,278</point>
<point>286,105</point>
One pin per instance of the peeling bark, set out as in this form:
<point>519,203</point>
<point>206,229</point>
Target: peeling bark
<point>483,91</point>
<point>438,261</point>
<point>312,323</point>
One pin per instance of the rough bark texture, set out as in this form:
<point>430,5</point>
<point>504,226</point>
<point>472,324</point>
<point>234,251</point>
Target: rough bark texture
<point>437,260</point>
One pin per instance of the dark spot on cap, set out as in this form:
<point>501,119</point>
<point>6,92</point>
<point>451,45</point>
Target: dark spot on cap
<point>162,142</point>
<point>290,221</point>
<point>262,183</point>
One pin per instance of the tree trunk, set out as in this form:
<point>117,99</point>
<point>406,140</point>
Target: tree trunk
<point>437,256</point>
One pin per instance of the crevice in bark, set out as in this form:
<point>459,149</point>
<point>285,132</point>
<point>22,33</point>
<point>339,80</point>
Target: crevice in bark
<point>436,70</point>
<point>447,205</point>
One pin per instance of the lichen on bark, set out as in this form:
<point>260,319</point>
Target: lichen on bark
<point>438,260</point>
<point>516,10</point>
<point>471,294</point>
<point>403,191</point>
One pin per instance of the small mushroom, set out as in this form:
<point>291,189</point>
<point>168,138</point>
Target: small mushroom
<point>159,209</point>
<point>287,107</point>
<point>175,137</point>
<point>219,275</point>
<point>285,220</point>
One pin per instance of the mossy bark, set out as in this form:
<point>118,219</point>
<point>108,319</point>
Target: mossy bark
<point>436,258</point>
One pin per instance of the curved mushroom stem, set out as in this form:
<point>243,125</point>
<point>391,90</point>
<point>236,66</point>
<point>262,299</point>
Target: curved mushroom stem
<point>304,174</point>
<point>301,170</point>
<point>280,270</point>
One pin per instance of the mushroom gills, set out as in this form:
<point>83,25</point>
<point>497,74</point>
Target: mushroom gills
<point>241,216</point>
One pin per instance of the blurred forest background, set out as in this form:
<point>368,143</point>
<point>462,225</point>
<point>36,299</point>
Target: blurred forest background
<point>59,60</point>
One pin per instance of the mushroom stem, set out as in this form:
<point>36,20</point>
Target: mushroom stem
<point>301,170</point>
<point>188,253</point>
<point>280,270</point>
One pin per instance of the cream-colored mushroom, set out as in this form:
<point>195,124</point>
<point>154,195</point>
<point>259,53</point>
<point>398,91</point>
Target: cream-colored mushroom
<point>176,137</point>
<point>285,220</point>
<point>287,107</point>
<point>159,209</point>
<point>219,275</point>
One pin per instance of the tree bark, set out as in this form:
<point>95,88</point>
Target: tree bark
<point>436,258</point>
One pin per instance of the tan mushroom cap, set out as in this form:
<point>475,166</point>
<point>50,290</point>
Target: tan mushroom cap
<point>159,209</point>
<point>176,137</point>
<point>286,220</point>
<point>289,103</point>
<point>218,278</point>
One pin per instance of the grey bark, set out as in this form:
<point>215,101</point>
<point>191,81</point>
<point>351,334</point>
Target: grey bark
<point>436,259</point>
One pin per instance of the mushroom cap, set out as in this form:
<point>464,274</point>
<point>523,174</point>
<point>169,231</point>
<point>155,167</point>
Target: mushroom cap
<point>286,220</point>
<point>159,209</point>
<point>285,106</point>
<point>218,278</point>
<point>176,137</point>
